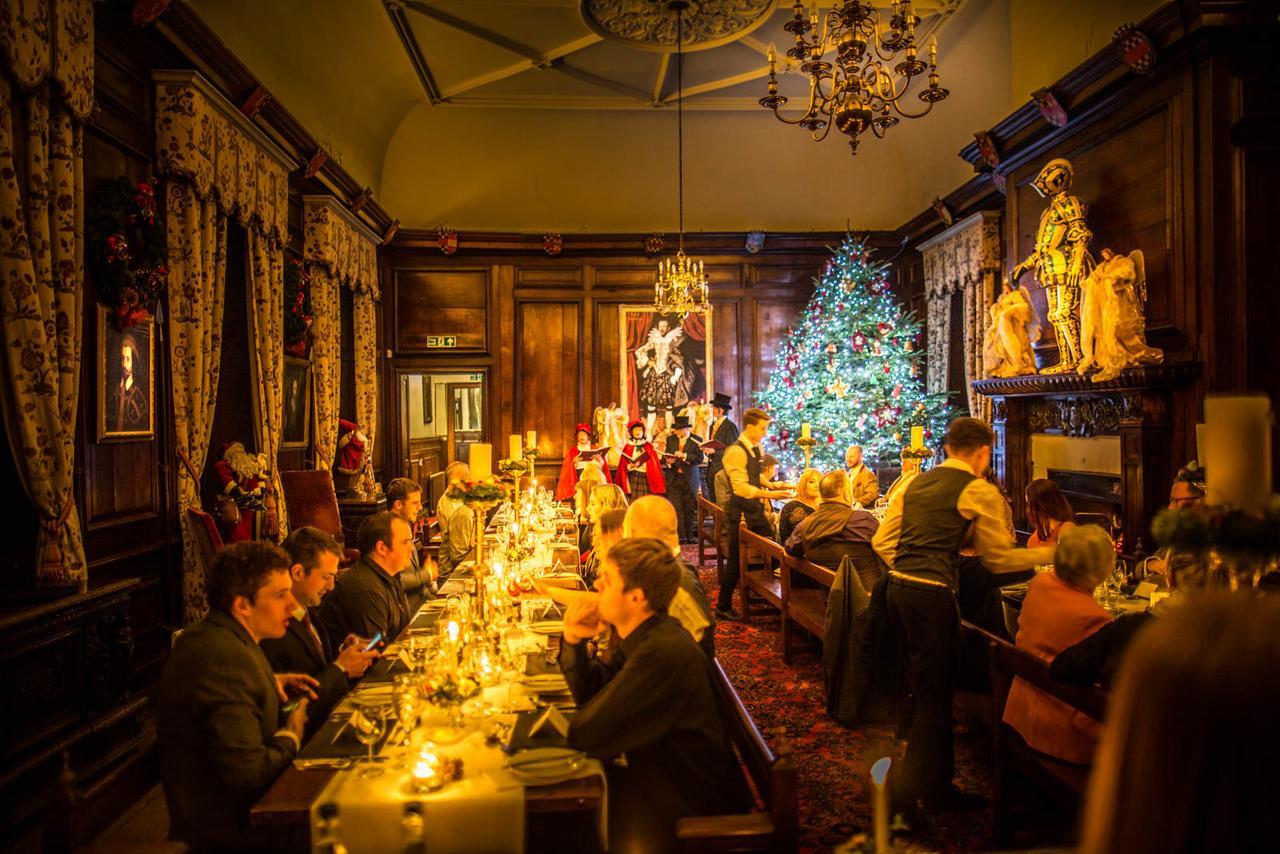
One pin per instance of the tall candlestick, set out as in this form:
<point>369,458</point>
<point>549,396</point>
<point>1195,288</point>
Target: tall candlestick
<point>531,439</point>
<point>805,430</point>
<point>517,450</point>
<point>933,50</point>
<point>917,438</point>
<point>481,461</point>
<point>879,776</point>
<point>1239,447</point>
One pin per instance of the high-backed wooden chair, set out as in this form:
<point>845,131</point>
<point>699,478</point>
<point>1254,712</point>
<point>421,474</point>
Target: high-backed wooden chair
<point>208,538</point>
<point>310,499</point>
<point>776,824</point>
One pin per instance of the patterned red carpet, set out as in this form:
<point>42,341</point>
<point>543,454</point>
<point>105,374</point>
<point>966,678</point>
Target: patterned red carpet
<point>787,701</point>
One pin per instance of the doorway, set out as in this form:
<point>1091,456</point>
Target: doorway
<point>442,414</point>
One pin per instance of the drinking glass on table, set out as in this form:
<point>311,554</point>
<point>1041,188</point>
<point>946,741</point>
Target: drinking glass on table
<point>369,720</point>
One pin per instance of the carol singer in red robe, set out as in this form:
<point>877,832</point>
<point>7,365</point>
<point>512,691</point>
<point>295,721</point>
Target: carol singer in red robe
<point>634,480</point>
<point>571,468</point>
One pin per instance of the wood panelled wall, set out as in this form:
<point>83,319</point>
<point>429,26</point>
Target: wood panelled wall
<point>546,329</point>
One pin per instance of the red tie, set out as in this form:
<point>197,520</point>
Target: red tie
<point>311,630</point>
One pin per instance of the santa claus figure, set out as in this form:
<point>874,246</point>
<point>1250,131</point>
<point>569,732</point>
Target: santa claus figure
<point>639,472</point>
<point>351,445</point>
<point>582,454</point>
<point>243,510</point>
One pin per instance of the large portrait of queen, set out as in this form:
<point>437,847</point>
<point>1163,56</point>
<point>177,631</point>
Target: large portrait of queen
<point>665,364</point>
<point>126,378</point>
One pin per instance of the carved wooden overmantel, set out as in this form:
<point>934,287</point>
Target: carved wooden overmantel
<point>1134,406</point>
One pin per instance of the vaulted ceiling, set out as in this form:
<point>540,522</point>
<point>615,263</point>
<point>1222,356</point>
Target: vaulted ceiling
<point>521,115</point>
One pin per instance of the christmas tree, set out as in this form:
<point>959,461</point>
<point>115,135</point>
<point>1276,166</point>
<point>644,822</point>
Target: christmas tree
<point>853,370</point>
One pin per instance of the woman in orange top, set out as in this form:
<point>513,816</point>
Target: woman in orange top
<point>1059,611</point>
<point>1049,512</point>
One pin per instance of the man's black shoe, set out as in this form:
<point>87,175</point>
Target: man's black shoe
<point>954,800</point>
<point>728,616</point>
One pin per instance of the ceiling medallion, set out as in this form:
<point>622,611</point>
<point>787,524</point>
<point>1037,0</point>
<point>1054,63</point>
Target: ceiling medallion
<point>651,25</point>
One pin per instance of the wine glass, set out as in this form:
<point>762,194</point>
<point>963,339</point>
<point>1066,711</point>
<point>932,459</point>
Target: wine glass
<point>369,720</point>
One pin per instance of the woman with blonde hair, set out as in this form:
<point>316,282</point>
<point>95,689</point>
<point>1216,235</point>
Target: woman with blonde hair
<point>1059,611</point>
<point>1187,762</point>
<point>604,497</point>
<point>798,509</point>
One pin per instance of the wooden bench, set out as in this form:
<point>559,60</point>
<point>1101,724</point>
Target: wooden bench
<point>710,532</point>
<point>759,579</point>
<point>804,606</point>
<point>773,779</point>
<point>1064,782</point>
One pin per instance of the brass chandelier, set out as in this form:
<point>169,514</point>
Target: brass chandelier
<point>857,91</point>
<point>681,286</point>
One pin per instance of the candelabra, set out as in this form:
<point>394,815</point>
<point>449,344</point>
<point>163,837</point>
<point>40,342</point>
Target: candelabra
<point>856,92</point>
<point>806,445</point>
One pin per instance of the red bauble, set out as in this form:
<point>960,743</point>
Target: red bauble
<point>831,439</point>
<point>886,367</point>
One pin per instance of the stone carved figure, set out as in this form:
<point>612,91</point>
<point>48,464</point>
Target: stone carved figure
<point>1113,323</point>
<point>1006,348</point>
<point>1061,259</point>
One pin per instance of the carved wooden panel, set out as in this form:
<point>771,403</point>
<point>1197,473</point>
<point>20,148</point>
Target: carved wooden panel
<point>439,303</point>
<point>728,355</point>
<point>548,364</point>
<point>773,322</point>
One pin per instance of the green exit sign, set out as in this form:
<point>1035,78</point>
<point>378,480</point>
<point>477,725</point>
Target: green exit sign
<point>475,378</point>
<point>438,341</point>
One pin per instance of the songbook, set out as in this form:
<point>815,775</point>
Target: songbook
<point>591,453</point>
<point>712,447</point>
<point>631,460</point>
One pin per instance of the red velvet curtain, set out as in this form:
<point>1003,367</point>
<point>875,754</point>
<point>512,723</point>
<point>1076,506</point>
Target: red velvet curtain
<point>638,324</point>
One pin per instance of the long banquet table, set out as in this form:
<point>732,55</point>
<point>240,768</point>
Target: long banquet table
<point>562,816</point>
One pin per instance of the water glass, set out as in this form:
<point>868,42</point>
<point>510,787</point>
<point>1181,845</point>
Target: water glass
<point>369,720</point>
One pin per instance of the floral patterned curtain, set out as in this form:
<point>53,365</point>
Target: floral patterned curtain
<point>218,166</point>
<point>266,329</point>
<point>339,249</point>
<point>966,257</point>
<point>46,93</point>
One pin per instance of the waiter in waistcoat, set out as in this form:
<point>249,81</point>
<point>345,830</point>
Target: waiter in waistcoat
<point>743,462</point>
<point>920,539</point>
<point>723,431</point>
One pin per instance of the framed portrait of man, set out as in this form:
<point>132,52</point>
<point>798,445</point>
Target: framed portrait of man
<point>126,381</point>
<point>665,363</point>
<point>296,432</point>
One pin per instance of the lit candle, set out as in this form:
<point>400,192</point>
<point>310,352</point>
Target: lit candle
<point>1239,446</point>
<point>451,629</point>
<point>879,775</point>
<point>917,438</point>
<point>772,58</point>
<point>933,50</point>
<point>517,451</point>
<point>804,430</point>
<point>531,439</point>
<point>481,461</point>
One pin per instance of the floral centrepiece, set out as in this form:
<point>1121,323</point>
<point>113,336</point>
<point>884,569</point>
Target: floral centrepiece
<point>127,253</point>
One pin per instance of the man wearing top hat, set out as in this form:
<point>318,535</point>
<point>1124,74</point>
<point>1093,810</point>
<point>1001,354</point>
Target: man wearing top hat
<point>723,431</point>
<point>682,457</point>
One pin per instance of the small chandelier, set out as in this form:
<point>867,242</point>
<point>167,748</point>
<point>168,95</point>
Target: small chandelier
<point>857,92</point>
<point>681,286</point>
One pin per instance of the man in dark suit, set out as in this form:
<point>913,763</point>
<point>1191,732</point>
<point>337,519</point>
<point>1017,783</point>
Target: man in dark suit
<point>653,517</point>
<point>723,431</point>
<point>369,599</point>
<point>404,498</point>
<point>682,458</point>
<point>219,735</point>
<point>302,649</point>
<point>654,700</point>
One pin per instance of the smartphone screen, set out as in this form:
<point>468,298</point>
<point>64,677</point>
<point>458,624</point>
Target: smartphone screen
<point>373,642</point>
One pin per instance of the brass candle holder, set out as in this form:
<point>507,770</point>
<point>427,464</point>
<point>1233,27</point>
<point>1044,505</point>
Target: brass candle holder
<point>807,445</point>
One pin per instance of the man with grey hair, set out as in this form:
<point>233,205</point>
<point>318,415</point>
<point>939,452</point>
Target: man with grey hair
<point>457,526</point>
<point>654,517</point>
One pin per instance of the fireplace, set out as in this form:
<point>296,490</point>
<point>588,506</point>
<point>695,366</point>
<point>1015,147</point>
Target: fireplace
<point>1106,444</point>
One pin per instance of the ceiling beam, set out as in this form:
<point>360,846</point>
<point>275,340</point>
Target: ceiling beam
<point>414,51</point>
<point>482,33</point>
<point>723,83</point>
<point>547,60</point>
<point>595,79</point>
<point>663,62</point>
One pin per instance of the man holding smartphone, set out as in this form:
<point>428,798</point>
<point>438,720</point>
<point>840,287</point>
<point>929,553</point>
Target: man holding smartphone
<point>302,649</point>
<point>369,598</point>
<point>218,703</point>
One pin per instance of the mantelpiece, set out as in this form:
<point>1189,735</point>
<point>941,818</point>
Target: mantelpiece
<point>1134,406</point>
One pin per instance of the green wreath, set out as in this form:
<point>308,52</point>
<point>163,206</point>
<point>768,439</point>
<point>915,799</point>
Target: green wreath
<point>126,249</point>
<point>297,308</point>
